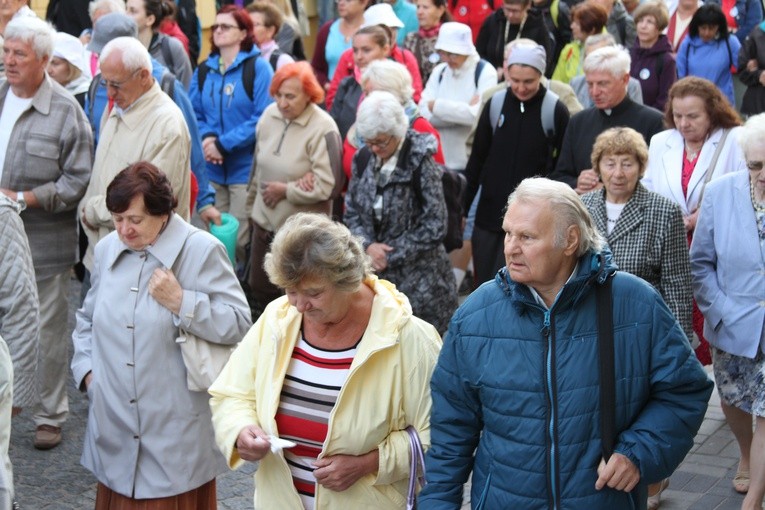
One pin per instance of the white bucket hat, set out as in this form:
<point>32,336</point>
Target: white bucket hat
<point>70,49</point>
<point>455,38</point>
<point>381,14</point>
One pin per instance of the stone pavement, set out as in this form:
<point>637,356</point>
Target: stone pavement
<point>54,480</point>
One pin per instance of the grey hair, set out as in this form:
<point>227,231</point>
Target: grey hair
<point>752,134</point>
<point>390,76</point>
<point>614,60</point>
<point>311,245</point>
<point>568,209</point>
<point>599,39</point>
<point>381,113</point>
<point>33,31</point>
<point>109,6</point>
<point>134,55</point>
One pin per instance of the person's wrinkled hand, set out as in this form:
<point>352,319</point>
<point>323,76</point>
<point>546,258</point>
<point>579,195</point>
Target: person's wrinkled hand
<point>751,65</point>
<point>210,214</point>
<point>587,181</point>
<point>689,221</point>
<point>211,152</point>
<point>164,287</point>
<point>306,182</point>
<point>619,473</point>
<point>338,472</point>
<point>84,221</point>
<point>475,99</point>
<point>273,192</point>
<point>252,443</point>
<point>378,252</point>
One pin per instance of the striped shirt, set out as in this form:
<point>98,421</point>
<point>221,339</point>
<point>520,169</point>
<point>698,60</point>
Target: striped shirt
<point>311,386</point>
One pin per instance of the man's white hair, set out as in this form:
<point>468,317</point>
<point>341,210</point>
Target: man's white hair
<point>107,6</point>
<point>134,55</point>
<point>381,114</point>
<point>614,60</point>
<point>33,31</point>
<point>391,77</point>
<point>752,134</point>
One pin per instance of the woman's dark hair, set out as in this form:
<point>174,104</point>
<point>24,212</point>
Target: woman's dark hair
<point>591,17</point>
<point>141,179</point>
<point>446,16</point>
<point>380,34</point>
<point>243,21</point>
<point>161,9</point>
<point>721,113</point>
<point>709,14</point>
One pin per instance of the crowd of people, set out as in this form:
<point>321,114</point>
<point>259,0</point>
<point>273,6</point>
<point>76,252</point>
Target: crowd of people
<point>601,161</point>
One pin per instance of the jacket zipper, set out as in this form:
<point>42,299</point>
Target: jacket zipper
<point>551,432</point>
<point>222,128</point>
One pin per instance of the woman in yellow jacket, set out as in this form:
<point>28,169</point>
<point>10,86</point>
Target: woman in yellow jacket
<point>587,18</point>
<point>339,367</point>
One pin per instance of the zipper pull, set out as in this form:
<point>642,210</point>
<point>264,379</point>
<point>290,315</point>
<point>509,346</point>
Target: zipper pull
<point>546,327</point>
<point>523,108</point>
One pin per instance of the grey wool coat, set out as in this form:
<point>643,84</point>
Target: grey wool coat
<point>413,223</point>
<point>649,241</point>
<point>148,436</point>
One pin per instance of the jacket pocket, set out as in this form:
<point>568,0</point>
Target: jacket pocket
<point>42,147</point>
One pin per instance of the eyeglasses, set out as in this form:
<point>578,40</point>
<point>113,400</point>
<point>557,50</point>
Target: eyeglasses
<point>445,55</point>
<point>224,27</point>
<point>343,1</point>
<point>755,166</point>
<point>380,145</point>
<point>116,85</point>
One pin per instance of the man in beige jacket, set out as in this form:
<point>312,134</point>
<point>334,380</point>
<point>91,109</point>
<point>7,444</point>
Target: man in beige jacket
<point>143,124</point>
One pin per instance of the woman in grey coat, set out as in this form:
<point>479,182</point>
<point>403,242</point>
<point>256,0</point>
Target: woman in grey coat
<point>395,202</point>
<point>149,437</point>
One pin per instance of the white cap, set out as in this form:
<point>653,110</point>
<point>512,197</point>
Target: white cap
<point>381,14</point>
<point>455,38</point>
<point>70,49</point>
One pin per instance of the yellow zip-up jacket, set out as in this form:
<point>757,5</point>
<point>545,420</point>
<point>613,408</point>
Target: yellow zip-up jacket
<point>388,388</point>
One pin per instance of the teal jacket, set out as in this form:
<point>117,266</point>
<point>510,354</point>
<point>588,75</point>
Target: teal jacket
<point>516,400</point>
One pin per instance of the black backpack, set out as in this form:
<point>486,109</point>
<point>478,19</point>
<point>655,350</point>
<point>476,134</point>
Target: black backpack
<point>455,187</point>
<point>248,75</point>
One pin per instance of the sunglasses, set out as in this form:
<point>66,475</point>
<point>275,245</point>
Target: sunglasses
<point>224,27</point>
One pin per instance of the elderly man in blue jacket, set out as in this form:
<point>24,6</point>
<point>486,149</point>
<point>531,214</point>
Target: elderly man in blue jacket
<point>516,388</point>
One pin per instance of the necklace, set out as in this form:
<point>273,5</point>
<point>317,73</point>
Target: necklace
<point>690,155</point>
<point>758,206</point>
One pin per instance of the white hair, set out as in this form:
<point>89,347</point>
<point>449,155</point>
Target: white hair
<point>108,6</point>
<point>390,76</point>
<point>33,31</point>
<point>381,113</point>
<point>604,37</point>
<point>752,134</point>
<point>134,55</point>
<point>568,209</point>
<point>614,60</point>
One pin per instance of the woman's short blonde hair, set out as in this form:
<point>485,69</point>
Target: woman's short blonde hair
<point>653,8</point>
<point>622,141</point>
<point>311,245</point>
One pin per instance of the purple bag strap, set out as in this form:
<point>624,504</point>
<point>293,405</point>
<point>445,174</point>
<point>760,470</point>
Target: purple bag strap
<point>417,464</point>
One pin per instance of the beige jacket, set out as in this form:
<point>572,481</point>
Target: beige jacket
<point>152,129</point>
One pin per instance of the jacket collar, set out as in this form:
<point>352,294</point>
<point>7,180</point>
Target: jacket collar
<point>40,101</point>
<point>618,109</point>
<point>214,58</point>
<point>167,247</point>
<point>134,116</point>
<point>302,120</point>
<point>632,215</point>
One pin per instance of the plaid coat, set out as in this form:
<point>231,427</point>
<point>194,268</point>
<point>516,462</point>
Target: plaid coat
<point>50,153</point>
<point>649,241</point>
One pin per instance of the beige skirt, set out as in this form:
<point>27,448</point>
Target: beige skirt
<point>201,498</point>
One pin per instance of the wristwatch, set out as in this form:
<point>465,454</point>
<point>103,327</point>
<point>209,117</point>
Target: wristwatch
<point>20,200</point>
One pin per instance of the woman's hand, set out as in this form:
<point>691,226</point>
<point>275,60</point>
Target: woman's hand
<point>252,443</point>
<point>212,154</point>
<point>166,290</point>
<point>273,192</point>
<point>306,182</point>
<point>587,181</point>
<point>378,252</point>
<point>339,472</point>
<point>690,221</point>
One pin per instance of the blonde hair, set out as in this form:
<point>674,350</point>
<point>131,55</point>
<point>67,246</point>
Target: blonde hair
<point>620,141</point>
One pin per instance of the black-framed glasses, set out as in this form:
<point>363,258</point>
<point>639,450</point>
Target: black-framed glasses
<point>755,166</point>
<point>380,145</point>
<point>224,27</point>
<point>116,85</point>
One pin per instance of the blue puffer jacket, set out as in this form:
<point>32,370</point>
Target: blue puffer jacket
<point>518,385</point>
<point>224,110</point>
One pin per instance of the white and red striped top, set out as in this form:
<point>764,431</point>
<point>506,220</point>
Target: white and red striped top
<point>311,387</point>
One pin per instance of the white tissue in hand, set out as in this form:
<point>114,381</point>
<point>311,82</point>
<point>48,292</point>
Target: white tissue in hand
<point>278,444</point>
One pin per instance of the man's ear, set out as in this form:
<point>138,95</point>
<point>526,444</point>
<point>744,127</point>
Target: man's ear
<point>573,238</point>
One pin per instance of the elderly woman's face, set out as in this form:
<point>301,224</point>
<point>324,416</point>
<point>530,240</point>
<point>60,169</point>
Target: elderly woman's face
<point>691,118</point>
<point>136,227</point>
<point>383,145</point>
<point>620,174</point>
<point>755,161</point>
<point>318,300</point>
<point>291,99</point>
<point>226,32</point>
<point>647,30</point>
<point>59,70</point>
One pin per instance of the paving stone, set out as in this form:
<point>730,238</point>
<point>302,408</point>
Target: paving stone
<point>707,502</point>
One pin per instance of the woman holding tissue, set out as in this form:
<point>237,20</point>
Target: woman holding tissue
<point>339,366</point>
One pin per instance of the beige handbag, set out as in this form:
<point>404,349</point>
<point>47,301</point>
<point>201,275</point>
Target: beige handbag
<point>204,360</point>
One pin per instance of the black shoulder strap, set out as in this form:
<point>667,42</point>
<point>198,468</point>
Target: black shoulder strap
<point>167,84</point>
<point>659,67</point>
<point>274,59</point>
<point>606,364</point>
<point>478,69</point>
<point>730,54</point>
<point>202,71</point>
<point>621,24</point>
<point>441,74</point>
<point>94,83</point>
<point>248,76</point>
<point>362,157</point>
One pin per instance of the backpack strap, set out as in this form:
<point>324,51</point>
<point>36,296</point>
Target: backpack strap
<point>621,25</point>
<point>441,74</point>
<point>495,108</point>
<point>202,71</point>
<point>548,114</point>
<point>92,89</point>
<point>248,76</point>
<point>555,12</point>
<point>658,67</point>
<point>362,157</point>
<point>607,385</point>
<point>167,84</point>
<point>478,69</point>
<point>274,58</point>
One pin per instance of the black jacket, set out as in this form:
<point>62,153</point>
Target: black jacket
<point>560,29</point>
<point>491,40</point>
